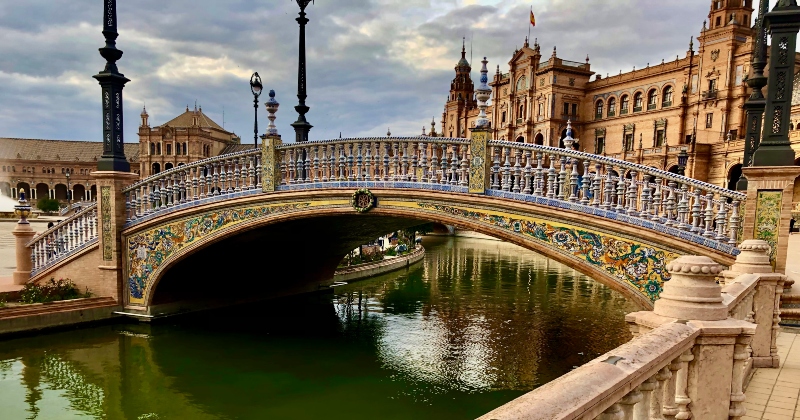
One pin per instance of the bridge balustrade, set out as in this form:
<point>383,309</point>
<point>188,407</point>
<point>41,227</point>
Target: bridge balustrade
<point>64,239</point>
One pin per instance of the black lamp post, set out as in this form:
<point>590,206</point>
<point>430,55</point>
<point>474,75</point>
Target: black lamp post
<point>112,81</point>
<point>69,193</point>
<point>301,126</point>
<point>683,158</point>
<point>255,87</point>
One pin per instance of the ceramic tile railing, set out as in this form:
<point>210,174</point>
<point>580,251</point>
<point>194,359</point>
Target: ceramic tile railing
<point>64,239</point>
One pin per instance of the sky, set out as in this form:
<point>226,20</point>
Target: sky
<point>372,64</point>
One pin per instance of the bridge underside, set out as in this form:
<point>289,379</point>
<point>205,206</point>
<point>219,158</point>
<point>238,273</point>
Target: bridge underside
<point>282,243</point>
<point>291,257</point>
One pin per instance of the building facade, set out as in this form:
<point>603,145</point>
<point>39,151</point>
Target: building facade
<point>648,116</point>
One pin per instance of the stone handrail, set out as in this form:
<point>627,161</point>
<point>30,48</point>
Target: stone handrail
<point>672,367</point>
<point>64,239</point>
<point>623,187</point>
<point>217,176</point>
<point>637,380</point>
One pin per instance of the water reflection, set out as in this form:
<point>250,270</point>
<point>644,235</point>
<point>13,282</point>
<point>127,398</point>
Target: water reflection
<point>474,325</point>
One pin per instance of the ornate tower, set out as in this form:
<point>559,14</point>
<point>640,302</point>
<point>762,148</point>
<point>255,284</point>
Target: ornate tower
<point>730,12</point>
<point>461,98</point>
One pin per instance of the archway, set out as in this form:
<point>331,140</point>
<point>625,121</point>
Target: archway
<point>168,165</point>
<point>21,185</point>
<point>733,176</point>
<point>520,139</point>
<point>156,168</point>
<point>79,192</point>
<point>61,192</point>
<point>42,191</point>
<point>93,191</point>
<point>539,139</point>
<point>674,169</point>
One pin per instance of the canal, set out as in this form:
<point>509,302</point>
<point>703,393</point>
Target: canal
<point>474,325</point>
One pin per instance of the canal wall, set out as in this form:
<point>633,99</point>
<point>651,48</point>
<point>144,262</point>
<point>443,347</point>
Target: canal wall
<point>363,271</point>
<point>39,316</point>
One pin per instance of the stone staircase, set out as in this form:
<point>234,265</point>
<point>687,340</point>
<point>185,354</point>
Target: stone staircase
<point>790,305</point>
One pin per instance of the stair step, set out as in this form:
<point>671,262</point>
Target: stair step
<point>790,297</point>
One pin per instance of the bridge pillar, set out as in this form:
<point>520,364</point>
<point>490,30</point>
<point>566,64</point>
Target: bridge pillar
<point>769,208</point>
<point>23,234</point>
<point>270,163</point>
<point>480,165</point>
<point>111,214</point>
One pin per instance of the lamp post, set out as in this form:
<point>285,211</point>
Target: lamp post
<point>69,192</point>
<point>301,126</point>
<point>683,158</point>
<point>112,81</point>
<point>255,87</point>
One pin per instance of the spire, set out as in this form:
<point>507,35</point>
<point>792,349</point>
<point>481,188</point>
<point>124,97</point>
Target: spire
<point>484,92</point>
<point>526,41</point>
<point>587,58</point>
<point>388,132</point>
<point>144,111</point>
<point>554,51</point>
<point>568,140</point>
<point>433,127</point>
<point>691,43</point>
<point>272,107</point>
<point>463,63</point>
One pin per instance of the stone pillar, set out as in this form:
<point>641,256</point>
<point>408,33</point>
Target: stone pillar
<point>769,208</point>
<point>479,165</point>
<point>111,214</point>
<point>23,234</point>
<point>693,297</point>
<point>270,163</point>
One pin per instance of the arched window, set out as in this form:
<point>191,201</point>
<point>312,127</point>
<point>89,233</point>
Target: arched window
<point>520,139</point>
<point>156,168</point>
<point>623,107</point>
<point>666,99</point>
<point>185,152</point>
<point>598,110</point>
<point>152,148</point>
<point>522,83</point>
<point>612,107</point>
<point>521,111</point>
<point>652,98</point>
<point>637,102</point>
<point>158,148</point>
<point>168,165</point>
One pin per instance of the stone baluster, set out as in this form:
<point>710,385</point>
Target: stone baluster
<point>681,392</point>
<point>574,187</point>
<point>597,182</point>
<point>396,161</point>
<point>405,175</point>
<point>315,168</point>
<point>223,178</point>
<point>620,193</point>
<point>325,165</point>
<point>670,205</point>
<point>453,180</point>
<point>414,161</point>
<point>697,206</point>
<point>612,413</point>
<point>386,146</point>
<point>517,171</point>
<point>330,163</point>
<point>670,407</point>
<point>740,356</point>
<point>657,399</point>
<point>646,200</point>
<point>259,172</point>
<point>721,221</point>
<point>505,178</point>
<point>629,402</point>
<point>683,208</point>
<point>708,231</point>
<point>463,179</point>
<point>182,185</point>
<point>359,164</point>
<point>608,190</point>
<point>655,212</point>
<point>306,154</point>
<point>633,188</point>
<point>562,179</point>
<point>342,163</point>
<point>552,184</point>
<point>128,210</point>
<point>351,173</point>
<point>586,184</point>
<point>169,181</point>
<point>237,174</point>
<point>195,183</point>
<point>496,168</point>
<point>251,173</point>
<point>214,187</point>
<point>528,173</point>
<point>162,199</point>
<point>538,183</point>
<point>434,165</point>
<point>423,162</point>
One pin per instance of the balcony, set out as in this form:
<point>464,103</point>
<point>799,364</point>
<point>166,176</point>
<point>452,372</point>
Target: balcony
<point>623,111</point>
<point>519,121</point>
<point>637,109</point>
<point>612,113</point>
<point>666,104</point>
<point>709,94</point>
<point>651,107</point>
<point>571,117</point>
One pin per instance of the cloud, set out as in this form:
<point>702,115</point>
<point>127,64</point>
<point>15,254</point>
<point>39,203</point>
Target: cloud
<point>372,64</point>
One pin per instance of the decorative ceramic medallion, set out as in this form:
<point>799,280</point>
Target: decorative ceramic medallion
<point>363,200</point>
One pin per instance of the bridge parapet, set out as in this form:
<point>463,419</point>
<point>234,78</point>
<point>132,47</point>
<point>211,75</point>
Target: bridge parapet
<point>73,234</point>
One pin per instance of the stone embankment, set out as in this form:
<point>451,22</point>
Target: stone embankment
<point>40,316</point>
<point>363,271</point>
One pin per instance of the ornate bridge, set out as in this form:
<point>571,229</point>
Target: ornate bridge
<point>619,222</point>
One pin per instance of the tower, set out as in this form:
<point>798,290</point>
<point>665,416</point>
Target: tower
<point>461,98</point>
<point>730,12</point>
<point>144,116</point>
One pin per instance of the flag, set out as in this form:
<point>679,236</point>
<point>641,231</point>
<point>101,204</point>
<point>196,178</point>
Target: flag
<point>533,19</point>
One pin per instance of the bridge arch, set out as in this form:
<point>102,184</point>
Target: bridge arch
<point>605,250</point>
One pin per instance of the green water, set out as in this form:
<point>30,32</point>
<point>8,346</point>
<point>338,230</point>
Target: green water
<point>474,325</point>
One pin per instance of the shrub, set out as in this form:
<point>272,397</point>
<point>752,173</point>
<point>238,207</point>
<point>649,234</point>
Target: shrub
<point>51,291</point>
<point>47,204</point>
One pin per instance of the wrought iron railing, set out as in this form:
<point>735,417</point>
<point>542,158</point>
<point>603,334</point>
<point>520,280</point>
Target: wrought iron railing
<point>64,239</point>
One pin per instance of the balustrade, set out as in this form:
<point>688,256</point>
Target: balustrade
<point>64,238</point>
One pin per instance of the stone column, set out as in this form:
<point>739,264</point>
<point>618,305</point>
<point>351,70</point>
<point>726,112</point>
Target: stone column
<point>270,163</point>
<point>769,208</point>
<point>111,214</point>
<point>23,234</point>
<point>479,164</point>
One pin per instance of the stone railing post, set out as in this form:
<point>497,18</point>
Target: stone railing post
<point>692,296</point>
<point>479,165</point>
<point>769,208</point>
<point>111,215</point>
<point>23,234</point>
<point>270,163</point>
<point>755,259</point>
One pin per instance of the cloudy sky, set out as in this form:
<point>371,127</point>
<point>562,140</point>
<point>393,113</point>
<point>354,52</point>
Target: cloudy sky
<point>372,64</point>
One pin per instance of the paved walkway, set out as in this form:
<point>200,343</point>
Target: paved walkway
<point>773,393</point>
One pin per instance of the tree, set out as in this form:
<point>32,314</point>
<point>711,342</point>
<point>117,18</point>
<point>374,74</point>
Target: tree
<point>47,204</point>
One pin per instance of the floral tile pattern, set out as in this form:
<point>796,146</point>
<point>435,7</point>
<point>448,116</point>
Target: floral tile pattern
<point>639,265</point>
<point>477,181</point>
<point>105,208</point>
<point>150,249</point>
<point>768,217</point>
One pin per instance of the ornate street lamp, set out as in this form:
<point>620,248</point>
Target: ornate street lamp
<point>301,126</point>
<point>112,81</point>
<point>255,87</point>
<point>683,159</point>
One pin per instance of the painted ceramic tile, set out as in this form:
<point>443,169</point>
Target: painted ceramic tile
<point>105,205</point>
<point>768,217</point>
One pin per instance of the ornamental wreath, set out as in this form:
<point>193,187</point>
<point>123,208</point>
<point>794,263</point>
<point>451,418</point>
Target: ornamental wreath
<point>362,200</point>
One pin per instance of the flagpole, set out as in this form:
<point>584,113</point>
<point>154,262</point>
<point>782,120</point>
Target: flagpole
<point>529,26</point>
